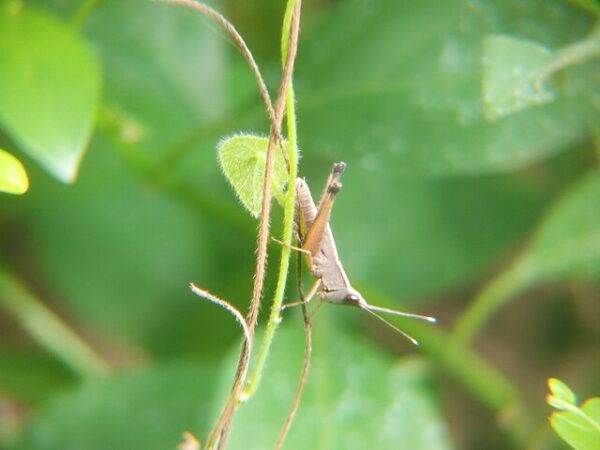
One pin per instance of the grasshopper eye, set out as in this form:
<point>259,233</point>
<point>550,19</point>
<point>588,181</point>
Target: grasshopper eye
<point>351,299</point>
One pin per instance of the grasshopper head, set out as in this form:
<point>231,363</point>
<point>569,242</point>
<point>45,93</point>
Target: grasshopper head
<point>353,298</point>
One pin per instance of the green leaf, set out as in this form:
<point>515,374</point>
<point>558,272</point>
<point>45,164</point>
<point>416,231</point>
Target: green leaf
<point>150,247</point>
<point>13,178</point>
<point>164,85</point>
<point>49,89</point>
<point>146,410</point>
<point>514,75</point>
<point>356,397</point>
<point>567,244</point>
<point>243,160</point>
<point>561,391</point>
<point>581,430</point>
<point>30,376</point>
<point>401,87</point>
<point>579,427</point>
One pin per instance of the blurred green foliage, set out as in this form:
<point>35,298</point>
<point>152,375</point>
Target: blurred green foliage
<point>459,178</point>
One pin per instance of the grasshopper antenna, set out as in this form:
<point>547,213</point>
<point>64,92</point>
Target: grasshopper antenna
<point>391,325</point>
<point>400,313</point>
<point>229,307</point>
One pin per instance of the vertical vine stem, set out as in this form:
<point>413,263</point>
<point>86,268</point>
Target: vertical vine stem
<point>288,219</point>
<point>219,435</point>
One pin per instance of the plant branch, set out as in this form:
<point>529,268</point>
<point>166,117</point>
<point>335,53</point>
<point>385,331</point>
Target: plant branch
<point>220,433</point>
<point>577,53</point>
<point>48,329</point>
<point>228,307</point>
<point>288,222</point>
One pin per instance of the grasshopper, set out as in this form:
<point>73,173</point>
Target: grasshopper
<point>316,242</point>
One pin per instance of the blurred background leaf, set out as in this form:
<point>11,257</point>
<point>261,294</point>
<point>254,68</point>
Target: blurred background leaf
<point>148,409</point>
<point>354,398</point>
<point>164,83</point>
<point>568,241</point>
<point>49,89</point>
<point>512,75</point>
<point>401,87</point>
<point>566,246</point>
<point>146,255</point>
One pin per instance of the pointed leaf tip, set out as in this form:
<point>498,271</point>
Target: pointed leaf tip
<point>561,391</point>
<point>46,67</point>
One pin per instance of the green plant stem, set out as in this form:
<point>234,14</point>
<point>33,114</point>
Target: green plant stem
<point>490,300</point>
<point>576,53</point>
<point>48,329</point>
<point>288,223</point>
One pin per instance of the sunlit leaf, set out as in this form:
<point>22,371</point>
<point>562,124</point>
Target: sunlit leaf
<point>13,178</point>
<point>243,160</point>
<point>49,89</point>
<point>561,391</point>
<point>514,75</point>
<point>579,427</point>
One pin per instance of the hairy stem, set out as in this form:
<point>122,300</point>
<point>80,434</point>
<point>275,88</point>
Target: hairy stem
<point>220,433</point>
<point>48,329</point>
<point>288,224</point>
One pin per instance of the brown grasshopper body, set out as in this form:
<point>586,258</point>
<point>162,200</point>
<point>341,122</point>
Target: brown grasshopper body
<point>318,242</point>
<point>322,256</point>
